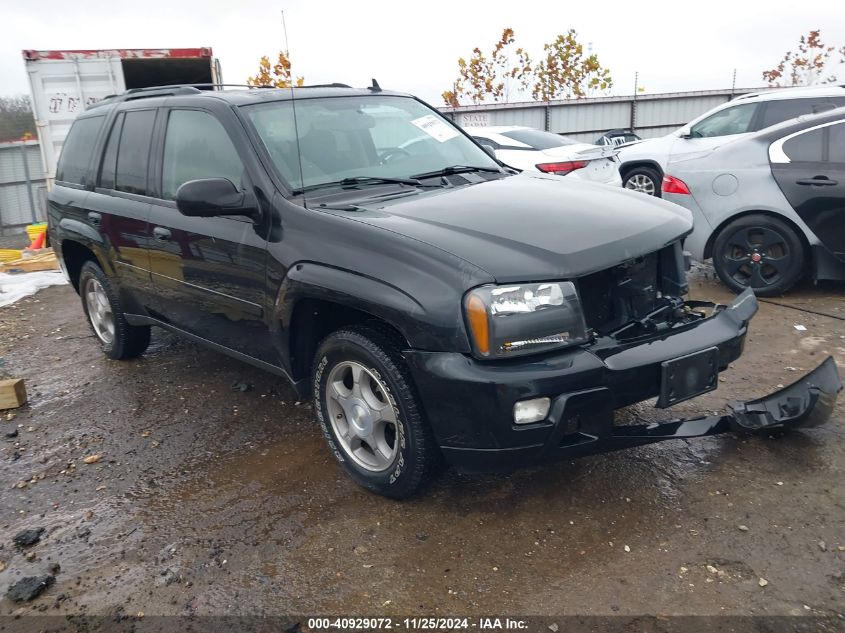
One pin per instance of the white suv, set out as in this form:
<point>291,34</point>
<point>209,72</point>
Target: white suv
<point>644,162</point>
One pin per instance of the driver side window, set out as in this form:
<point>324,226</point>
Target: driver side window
<point>197,146</point>
<point>733,120</point>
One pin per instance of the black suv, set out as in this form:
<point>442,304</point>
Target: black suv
<point>430,300</point>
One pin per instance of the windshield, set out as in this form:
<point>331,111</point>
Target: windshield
<point>538,139</point>
<point>733,120</point>
<point>375,137</point>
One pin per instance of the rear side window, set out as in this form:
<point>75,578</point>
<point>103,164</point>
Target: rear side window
<point>107,170</point>
<point>783,110</point>
<point>197,146</point>
<point>806,147</point>
<point>733,120</point>
<point>837,143</point>
<point>133,153</point>
<point>78,150</point>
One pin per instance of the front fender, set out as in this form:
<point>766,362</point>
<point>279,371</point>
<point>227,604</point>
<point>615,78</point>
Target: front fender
<point>422,328</point>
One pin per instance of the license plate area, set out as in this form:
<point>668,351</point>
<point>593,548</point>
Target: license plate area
<point>688,376</point>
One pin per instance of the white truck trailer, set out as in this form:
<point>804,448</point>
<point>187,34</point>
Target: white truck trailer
<point>64,83</point>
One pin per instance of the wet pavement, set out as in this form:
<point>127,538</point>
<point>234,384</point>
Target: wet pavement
<point>211,492</point>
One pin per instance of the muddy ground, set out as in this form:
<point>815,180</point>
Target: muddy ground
<point>212,500</point>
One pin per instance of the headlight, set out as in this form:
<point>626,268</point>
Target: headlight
<point>506,321</point>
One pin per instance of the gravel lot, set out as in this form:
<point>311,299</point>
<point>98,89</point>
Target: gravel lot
<point>214,494</point>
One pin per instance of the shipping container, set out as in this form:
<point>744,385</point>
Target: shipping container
<point>64,83</point>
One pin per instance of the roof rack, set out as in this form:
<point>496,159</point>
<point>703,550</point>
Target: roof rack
<point>189,89</point>
<point>332,85</point>
<point>158,91</point>
<point>193,88</point>
<point>163,91</point>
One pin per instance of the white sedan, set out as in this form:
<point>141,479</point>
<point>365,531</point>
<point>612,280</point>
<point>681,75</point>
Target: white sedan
<point>534,150</point>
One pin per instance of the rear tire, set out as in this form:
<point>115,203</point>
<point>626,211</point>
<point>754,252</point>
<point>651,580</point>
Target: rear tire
<point>645,180</point>
<point>119,340</point>
<point>761,252</point>
<point>369,412</point>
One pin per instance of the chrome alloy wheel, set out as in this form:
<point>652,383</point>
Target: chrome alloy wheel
<point>362,416</point>
<point>641,183</point>
<point>99,310</point>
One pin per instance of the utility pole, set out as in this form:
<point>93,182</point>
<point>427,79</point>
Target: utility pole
<point>634,102</point>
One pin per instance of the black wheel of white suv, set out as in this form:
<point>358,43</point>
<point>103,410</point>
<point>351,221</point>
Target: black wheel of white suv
<point>644,180</point>
<point>759,251</point>
<point>104,311</point>
<point>369,413</point>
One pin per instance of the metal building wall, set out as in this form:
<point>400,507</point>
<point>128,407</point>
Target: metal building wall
<point>587,119</point>
<point>674,112</point>
<point>586,123</point>
<point>529,117</point>
<point>23,187</point>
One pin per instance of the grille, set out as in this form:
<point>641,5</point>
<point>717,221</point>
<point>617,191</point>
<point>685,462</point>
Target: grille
<point>615,296</point>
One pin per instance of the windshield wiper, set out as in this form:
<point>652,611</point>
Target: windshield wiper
<point>454,169</point>
<point>359,180</point>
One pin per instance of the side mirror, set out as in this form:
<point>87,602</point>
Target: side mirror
<point>213,196</point>
<point>489,149</point>
<point>686,132</point>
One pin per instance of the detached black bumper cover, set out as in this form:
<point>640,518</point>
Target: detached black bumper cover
<point>806,402</point>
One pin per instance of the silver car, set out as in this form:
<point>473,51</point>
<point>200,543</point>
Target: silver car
<point>769,208</point>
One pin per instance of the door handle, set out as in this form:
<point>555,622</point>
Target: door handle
<point>95,218</point>
<point>161,234</point>
<point>822,181</point>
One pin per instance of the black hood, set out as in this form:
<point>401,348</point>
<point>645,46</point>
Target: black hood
<point>532,226</point>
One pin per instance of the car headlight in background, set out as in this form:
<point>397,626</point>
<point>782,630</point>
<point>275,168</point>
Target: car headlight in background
<point>514,320</point>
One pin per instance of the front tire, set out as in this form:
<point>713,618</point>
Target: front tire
<point>104,312</point>
<point>370,415</point>
<point>761,252</point>
<point>644,180</point>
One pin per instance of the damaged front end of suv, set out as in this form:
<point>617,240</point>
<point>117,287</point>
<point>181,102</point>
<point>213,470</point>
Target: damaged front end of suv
<point>642,298</point>
<point>613,337</point>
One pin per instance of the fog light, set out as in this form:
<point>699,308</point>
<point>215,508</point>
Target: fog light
<point>529,411</point>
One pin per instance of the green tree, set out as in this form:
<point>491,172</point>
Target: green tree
<point>807,65</point>
<point>566,71</point>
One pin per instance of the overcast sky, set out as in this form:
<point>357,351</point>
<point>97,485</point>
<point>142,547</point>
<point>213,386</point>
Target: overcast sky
<point>414,47</point>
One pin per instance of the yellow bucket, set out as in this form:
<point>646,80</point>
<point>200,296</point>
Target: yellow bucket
<point>34,230</point>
